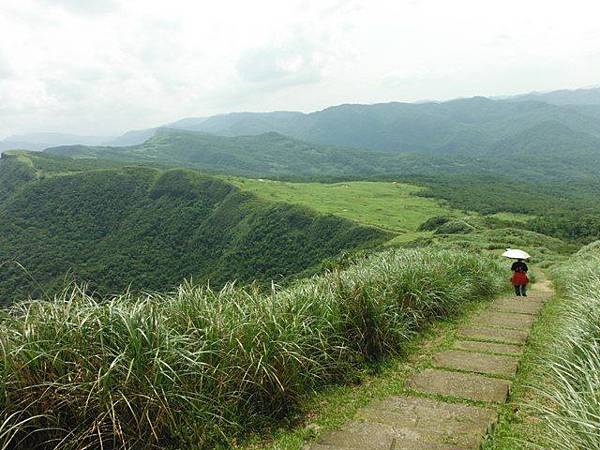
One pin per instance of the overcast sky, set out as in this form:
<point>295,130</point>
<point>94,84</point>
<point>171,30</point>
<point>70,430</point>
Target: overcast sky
<point>106,66</point>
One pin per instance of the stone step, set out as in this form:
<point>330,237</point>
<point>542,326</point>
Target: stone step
<point>377,436</point>
<point>435,421</point>
<point>530,298</point>
<point>505,366</point>
<point>504,320</point>
<point>460,385</point>
<point>325,447</point>
<point>489,347</point>
<point>524,307</point>
<point>482,333</point>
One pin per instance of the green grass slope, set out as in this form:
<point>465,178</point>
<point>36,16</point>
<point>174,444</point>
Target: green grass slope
<point>150,229</point>
<point>391,206</point>
<point>548,170</point>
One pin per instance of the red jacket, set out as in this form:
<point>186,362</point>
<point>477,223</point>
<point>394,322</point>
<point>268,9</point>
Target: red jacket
<point>520,278</point>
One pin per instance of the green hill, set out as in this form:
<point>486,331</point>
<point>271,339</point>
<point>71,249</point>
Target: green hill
<point>548,151</point>
<point>149,229</point>
<point>269,154</point>
<point>546,170</point>
<point>553,140</point>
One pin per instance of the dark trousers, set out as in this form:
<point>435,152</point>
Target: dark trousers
<point>521,290</point>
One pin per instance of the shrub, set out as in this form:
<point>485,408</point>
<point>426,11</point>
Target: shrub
<point>197,366</point>
<point>455,227</point>
<point>433,223</point>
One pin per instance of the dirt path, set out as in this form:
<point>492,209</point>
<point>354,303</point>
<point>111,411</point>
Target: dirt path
<point>453,404</point>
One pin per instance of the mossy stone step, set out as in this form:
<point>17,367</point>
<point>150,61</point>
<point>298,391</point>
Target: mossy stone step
<point>517,306</point>
<point>483,333</point>
<point>489,347</point>
<point>460,385</point>
<point>477,362</point>
<point>504,320</point>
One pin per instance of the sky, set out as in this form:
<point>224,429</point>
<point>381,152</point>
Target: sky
<point>101,67</point>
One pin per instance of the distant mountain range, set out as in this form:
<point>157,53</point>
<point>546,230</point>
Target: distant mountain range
<point>458,126</point>
<point>361,139</point>
<point>548,150</point>
<point>588,96</point>
<point>444,126</point>
<point>40,141</point>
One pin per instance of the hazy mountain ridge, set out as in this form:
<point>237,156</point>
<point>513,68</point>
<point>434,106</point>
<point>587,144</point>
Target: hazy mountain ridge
<point>583,96</point>
<point>40,141</point>
<point>461,125</point>
<point>547,150</point>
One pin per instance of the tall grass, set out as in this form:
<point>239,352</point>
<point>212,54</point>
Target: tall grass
<point>570,394</point>
<point>196,367</point>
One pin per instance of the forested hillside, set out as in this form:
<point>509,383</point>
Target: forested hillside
<point>548,152</point>
<point>478,154</point>
<point>149,229</point>
<point>269,154</point>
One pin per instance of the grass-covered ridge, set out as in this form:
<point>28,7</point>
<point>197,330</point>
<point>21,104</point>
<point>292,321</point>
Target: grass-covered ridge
<point>197,367</point>
<point>150,229</point>
<point>389,205</point>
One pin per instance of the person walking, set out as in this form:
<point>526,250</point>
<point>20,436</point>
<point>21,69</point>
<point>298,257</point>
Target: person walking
<point>520,278</point>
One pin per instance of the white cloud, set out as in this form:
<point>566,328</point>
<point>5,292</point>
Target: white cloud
<point>102,67</point>
<point>83,6</point>
<point>296,62</point>
<point>5,69</point>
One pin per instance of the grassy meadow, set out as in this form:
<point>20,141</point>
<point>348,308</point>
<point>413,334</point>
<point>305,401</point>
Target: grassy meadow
<point>196,368</point>
<point>399,208</point>
<point>390,206</point>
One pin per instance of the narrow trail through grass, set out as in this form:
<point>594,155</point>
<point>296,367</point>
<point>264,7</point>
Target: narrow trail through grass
<point>446,392</point>
<point>516,428</point>
<point>335,406</point>
<point>555,396</point>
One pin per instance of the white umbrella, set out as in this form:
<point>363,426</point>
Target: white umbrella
<point>515,253</point>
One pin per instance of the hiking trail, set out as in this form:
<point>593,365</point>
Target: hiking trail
<point>454,403</point>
